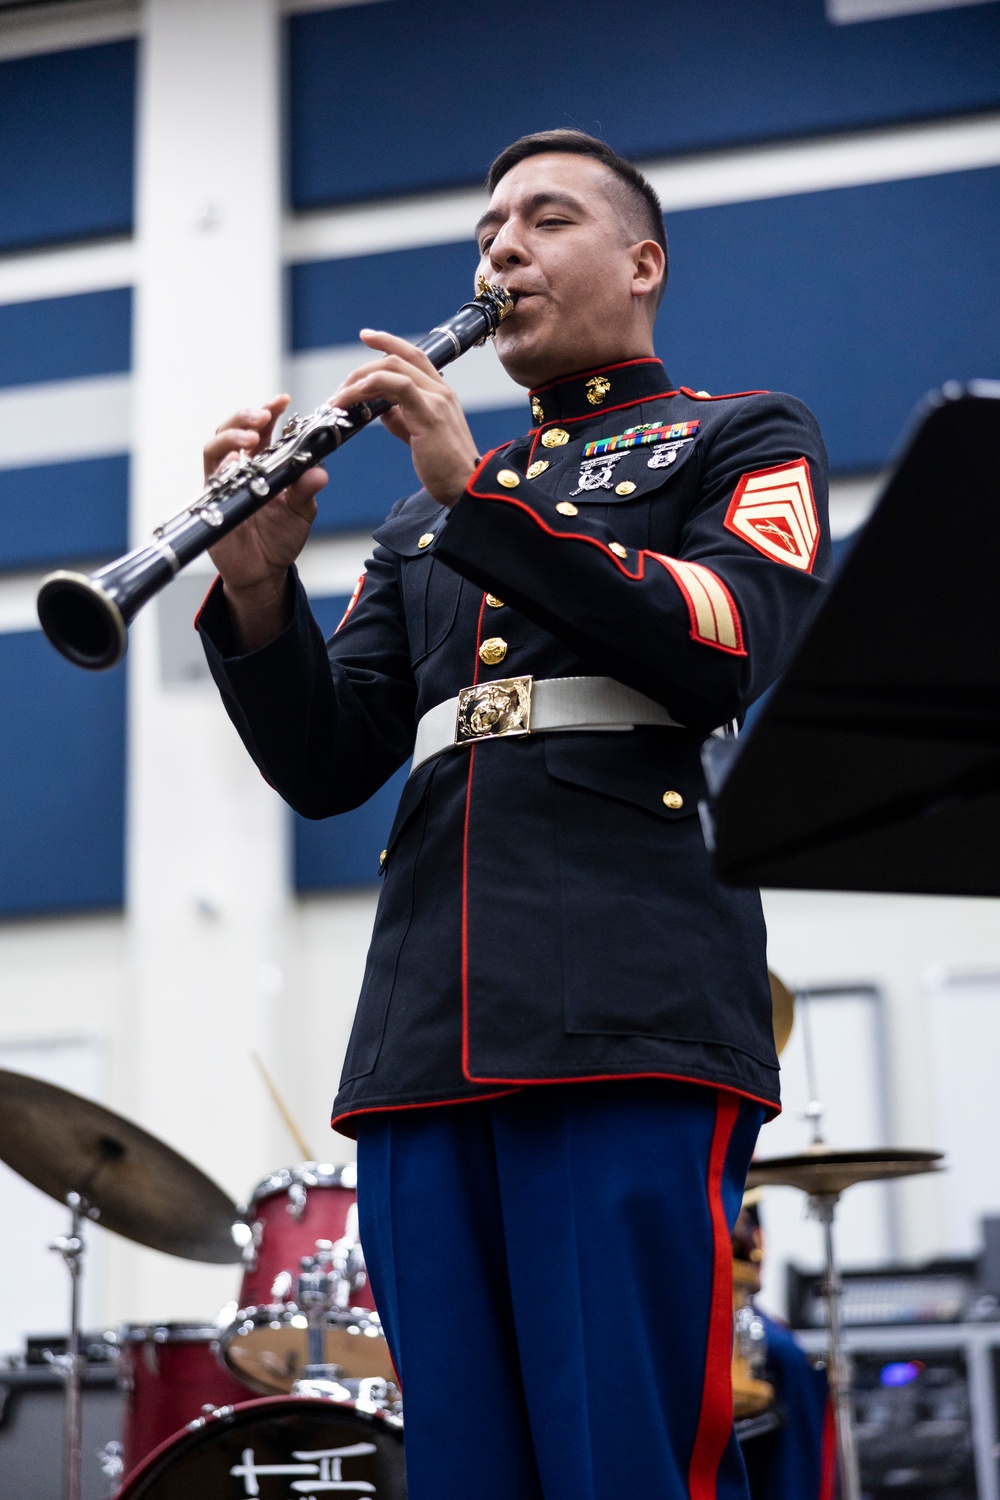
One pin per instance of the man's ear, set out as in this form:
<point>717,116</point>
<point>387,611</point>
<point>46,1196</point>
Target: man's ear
<point>647,267</point>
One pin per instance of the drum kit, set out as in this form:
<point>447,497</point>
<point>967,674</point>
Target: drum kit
<point>293,1382</point>
<point>295,1378</point>
<point>823,1174</point>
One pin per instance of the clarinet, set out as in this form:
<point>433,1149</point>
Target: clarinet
<point>86,615</point>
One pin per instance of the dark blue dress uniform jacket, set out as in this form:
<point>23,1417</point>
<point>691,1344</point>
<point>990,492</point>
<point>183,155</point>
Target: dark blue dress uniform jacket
<point>545,914</point>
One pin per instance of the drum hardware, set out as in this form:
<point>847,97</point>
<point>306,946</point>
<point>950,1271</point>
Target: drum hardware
<point>304,1302</point>
<point>72,1248</point>
<point>104,1167</point>
<point>823,1174</point>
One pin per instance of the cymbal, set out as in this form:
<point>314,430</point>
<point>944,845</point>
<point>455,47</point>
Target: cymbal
<point>782,1012</point>
<point>144,1189</point>
<point>821,1170</point>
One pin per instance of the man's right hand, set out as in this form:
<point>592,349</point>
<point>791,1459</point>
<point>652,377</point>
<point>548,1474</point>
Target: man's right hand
<point>254,559</point>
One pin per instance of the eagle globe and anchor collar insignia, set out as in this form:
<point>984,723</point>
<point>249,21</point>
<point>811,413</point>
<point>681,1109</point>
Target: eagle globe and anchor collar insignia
<point>612,387</point>
<point>492,710</point>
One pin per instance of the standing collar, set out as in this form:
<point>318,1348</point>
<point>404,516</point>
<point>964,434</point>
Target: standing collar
<point>587,392</point>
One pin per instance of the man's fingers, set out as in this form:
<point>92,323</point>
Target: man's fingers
<point>394,422</point>
<point>301,496</point>
<point>404,387</point>
<point>388,343</point>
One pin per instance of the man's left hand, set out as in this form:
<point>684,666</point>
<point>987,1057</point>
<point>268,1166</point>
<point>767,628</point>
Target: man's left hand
<point>426,413</point>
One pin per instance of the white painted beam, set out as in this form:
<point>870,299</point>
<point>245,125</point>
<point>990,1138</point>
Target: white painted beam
<point>699,181</point>
<point>59,420</point>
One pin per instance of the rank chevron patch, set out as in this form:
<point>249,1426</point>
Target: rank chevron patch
<point>774,510</point>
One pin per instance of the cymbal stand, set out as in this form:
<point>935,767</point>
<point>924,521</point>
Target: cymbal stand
<point>823,1206</point>
<point>70,1365</point>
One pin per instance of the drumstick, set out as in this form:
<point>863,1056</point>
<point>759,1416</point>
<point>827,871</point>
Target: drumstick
<point>293,1129</point>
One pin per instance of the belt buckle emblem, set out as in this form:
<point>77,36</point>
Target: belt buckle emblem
<point>493,710</point>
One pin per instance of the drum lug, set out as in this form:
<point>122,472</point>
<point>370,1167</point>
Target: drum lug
<point>110,1459</point>
<point>298,1196</point>
<point>251,1250</point>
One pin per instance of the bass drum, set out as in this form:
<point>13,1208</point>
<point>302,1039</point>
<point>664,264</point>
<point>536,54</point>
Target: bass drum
<point>285,1446</point>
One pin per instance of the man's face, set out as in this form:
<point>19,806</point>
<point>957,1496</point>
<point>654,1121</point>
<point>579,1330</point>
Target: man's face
<point>554,234</point>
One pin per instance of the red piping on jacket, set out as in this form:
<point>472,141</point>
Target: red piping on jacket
<point>645,359</point>
<point>201,606</point>
<point>465,863</point>
<point>715,1422</point>
<point>686,390</point>
<point>636,577</point>
<point>385,1109</point>
<point>774,1110</point>
<point>587,416</point>
<point>352,602</point>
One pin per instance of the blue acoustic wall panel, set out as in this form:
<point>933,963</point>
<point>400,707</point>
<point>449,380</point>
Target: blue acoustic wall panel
<point>66,338</point>
<point>64,512</point>
<point>67,140</point>
<point>417,94</point>
<point>62,781</point>
<point>73,509</point>
<point>343,851</point>
<point>858,300</point>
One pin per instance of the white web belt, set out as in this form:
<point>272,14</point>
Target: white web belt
<point>518,706</point>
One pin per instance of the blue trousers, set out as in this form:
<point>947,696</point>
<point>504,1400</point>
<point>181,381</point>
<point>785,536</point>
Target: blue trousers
<point>553,1271</point>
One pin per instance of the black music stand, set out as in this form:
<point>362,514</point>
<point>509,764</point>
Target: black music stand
<point>875,763</point>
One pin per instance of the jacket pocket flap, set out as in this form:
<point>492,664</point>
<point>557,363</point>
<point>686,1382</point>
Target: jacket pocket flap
<point>406,530</point>
<point>655,769</point>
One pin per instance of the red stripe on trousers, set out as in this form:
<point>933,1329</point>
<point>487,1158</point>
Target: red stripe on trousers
<point>715,1422</point>
<point>828,1454</point>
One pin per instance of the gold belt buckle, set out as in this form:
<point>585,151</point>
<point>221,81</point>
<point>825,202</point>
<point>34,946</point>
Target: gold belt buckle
<point>493,710</point>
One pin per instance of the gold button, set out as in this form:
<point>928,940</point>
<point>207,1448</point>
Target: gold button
<point>673,800</point>
<point>383,856</point>
<point>703,393</point>
<point>567,508</point>
<point>538,467</point>
<point>625,488</point>
<point>618,549</point>
<point>555,437</point>
<point>426,539</point>
<point>494,602</point>
<point>493,651</point>
<point>508,479</point>
<point>537,409</point>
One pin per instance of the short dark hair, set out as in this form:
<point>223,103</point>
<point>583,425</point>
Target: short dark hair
<point>638,192</point>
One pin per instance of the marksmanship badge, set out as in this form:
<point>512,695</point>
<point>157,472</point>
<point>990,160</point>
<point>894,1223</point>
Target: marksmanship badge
<point>595,474</point>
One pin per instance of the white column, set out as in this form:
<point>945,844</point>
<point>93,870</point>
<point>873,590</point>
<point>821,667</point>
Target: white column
<point>207,857</point>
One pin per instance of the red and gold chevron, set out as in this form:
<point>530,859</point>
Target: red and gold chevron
<point>774,510</point>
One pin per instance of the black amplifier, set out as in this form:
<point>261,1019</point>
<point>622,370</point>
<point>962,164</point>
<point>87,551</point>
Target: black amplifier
<point>939,1291</point>
<point>32,1409</point>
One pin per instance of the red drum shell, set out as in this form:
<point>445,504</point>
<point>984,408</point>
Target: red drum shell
<point>288,1213</point>
<point>273,1430</point>
<point>170,1372</point>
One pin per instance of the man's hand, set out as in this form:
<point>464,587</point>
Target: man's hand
<point>426,413</point>
<point>254,559</point>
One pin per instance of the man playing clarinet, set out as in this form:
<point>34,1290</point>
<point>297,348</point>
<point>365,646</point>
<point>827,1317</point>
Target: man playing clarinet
<point>562,1052</point>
